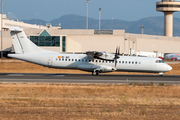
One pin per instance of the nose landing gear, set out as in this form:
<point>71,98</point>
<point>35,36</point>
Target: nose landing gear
<point>161,74</point>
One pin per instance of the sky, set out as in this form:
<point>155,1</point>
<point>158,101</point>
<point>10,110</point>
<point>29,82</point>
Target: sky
<point>129,10</point>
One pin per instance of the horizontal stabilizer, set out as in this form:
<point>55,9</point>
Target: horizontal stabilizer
<point>15,29</point>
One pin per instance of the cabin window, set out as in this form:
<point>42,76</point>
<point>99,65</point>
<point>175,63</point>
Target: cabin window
<point>132,62</point>
<point>65,59</point>
<point>119,61</point>
<point>79,60</point>
<point>129,62</point>
<point>62,59</point>
<point>123,62</point>
<point>92,60</point>
<point>69,59</point>
<point>136,62</point>
<point>82,60</point>
<point>112,61</point>
<point>72,59</point>
<point>75,59</point>
<point>99,60</point>
<point>89,60</point>
<point>86,60</point>
<point>59,59</point>
<point>126,62</point>
<point>96,61</point>
<point>139,62</point>
<point>109,61</point>
<point>159,61</point>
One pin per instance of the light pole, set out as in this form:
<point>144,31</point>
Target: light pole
<point>112,23</point>
<point>9,15</point>
<point>100,18</point>
<point>87,15</point>
<point>142,29</point>
<point>1,28</point>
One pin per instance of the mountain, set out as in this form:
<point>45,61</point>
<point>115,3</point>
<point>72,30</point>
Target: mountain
<point>79,22</point>
<point>35,21</point>
<point>153,25</point>
<point>70,22</point>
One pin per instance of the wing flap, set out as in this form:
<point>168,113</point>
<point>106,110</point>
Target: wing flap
<point>15,29</point>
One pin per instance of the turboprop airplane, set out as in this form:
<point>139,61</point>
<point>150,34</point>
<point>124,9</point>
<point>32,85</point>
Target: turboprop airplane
<point>93,61</point>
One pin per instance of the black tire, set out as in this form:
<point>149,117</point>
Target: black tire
<point>95,73</point>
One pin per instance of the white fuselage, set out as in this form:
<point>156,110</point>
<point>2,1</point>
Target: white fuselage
<point>83,62</point>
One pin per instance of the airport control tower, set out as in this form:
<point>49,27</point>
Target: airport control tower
<point>168,7</point>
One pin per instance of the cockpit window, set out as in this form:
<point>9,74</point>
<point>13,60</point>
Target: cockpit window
<point>159,61</point>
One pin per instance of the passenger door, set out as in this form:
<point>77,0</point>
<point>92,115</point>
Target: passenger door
<point>50,61</point>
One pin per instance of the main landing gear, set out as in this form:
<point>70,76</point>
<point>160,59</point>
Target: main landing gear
<point>95,73</point>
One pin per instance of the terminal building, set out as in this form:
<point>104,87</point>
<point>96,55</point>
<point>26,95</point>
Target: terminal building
<point>82,40</point>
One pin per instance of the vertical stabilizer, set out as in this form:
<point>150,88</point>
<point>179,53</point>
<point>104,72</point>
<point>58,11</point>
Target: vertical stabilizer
<point>22,44</point>
<point>16,44</point>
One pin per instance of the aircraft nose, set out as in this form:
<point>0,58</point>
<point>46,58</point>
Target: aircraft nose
<point>169,68</point>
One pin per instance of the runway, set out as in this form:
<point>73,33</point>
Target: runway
<point>88,78</point>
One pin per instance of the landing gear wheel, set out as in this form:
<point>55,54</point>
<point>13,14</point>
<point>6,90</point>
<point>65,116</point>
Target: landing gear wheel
<point>95,73</point>
<point>161,74</point>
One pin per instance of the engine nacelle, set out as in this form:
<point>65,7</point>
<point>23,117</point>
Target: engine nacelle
<point>100,55</point>
<point>101,69</point>
<point>106,69</point>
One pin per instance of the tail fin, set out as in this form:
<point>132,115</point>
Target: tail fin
<point>22,44</point>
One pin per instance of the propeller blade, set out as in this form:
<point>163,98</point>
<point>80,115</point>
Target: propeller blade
<point>116,52</point>
<point>119,50</point>
<point>115,63</point>
<point>116,56</point>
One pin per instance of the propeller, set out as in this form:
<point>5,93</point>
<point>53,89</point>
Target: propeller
<point>116,55</point>
<point>119,51</point>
